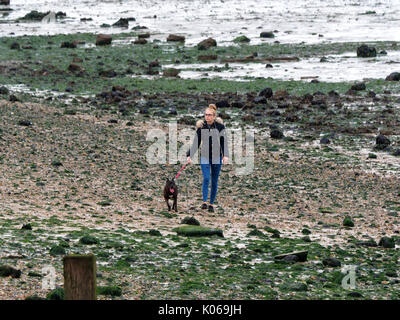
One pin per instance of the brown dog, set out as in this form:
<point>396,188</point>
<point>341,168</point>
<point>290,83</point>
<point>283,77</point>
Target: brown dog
<point>171,192</point>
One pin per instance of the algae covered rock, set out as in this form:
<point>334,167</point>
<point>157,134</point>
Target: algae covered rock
<point>112,291</point>
<point>6,271</point>
<point>57,250</point>
<point>301,255</point>
<point>88,240</point>
<point>386,242</point>
<point>190,221</point>
<point>56,294</point>
<point>347,222</point>
<point>197,231</point>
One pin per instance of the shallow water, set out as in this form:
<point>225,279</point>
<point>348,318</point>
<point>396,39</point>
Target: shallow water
<point>311,21</point>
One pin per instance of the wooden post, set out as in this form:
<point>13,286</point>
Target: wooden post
<point>80,277</point>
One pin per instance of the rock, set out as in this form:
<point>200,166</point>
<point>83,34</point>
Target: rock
<point>291,258</point>
<point>4,90</point>
<point>25,123</point>
<point>67,44</point>
<point>386,242</point>
<point>267,93</point>
<point>276,134</point>
<point>331,262</point>
<point>394,76</point>
<point>323,59</point>
<point>15,46</point>
<point>260,99</point>
<point>223,104</point>
<point>56,294</point>
<point>112,291</point>
<point>57,250</point>
<point>122,22</point>
<point>355,294</point>
<point>154,232</point>
<point>144,35</point>
<point>396,153</point>
<point>190,221</point>
<point>26,227</point>
<point>366,52</point>
<point>368,243</point>
<point>358,86</point>
<point>197,231</point>
<point>382,142</point>
<point>13,98</point>
<point>268,65</point>
<point>73,67</point>
<point>237,104</point>
<point>267,34</point>
<point>4,2</point>
<point>34,16</point>
<point>208,57</point>
<point>88,240</point>
<point>241,39</point>
<point>347,222</point>
<point>171,72</point>
<point>107,73</point>
<point>6,271</point>
<point>103,39</point>
<point>206,44</point>
<point>301,255</point>
<point>175,38</point>
<point>325,140</point>
<point>140,41</point>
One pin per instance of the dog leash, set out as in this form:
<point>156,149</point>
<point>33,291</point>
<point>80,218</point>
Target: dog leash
<point>181,170</point>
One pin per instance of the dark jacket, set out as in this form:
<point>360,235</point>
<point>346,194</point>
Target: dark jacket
<point>215,146</point>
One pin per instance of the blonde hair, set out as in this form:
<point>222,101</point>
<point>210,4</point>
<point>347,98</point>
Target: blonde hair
<point>213,107</point>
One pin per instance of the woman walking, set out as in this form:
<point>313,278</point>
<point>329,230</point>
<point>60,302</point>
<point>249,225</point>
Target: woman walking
<point>210,134</point>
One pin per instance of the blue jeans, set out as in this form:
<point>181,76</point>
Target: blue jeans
<point>215,169</point>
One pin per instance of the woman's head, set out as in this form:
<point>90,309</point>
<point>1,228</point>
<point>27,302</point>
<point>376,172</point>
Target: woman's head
<point>210,113</point>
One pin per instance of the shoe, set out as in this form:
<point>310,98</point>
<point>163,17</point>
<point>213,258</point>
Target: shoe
<point>204,206</point>
<point>210,208</point>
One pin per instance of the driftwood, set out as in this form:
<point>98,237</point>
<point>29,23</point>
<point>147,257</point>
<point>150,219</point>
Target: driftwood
<point>252,59</point>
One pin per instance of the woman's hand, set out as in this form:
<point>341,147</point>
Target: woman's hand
<point>224,160</point>
<point>189,160</point>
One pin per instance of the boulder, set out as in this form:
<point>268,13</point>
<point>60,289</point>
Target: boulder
<point>241,39</point>
<point>358,86</point>
<point>386,242</point>
<point>301,255</point>
<point>175,38</point>
<point>103,39</point>
<point>208,57</point>
<point>206,44</point>
<point>223,104</point>
<point>276,134</point>
<point>394,76</point>
<point>366,52</point>
<point>267,34</point>
<point>171,72</point>
<point>267,93</point>
<point>190,221</point>
<point>331,262</point>
<point>198,231</point>
<point>382,142</point>
<point>123,23</point>
<point>67,44</point>
<point>144,35</point>
<point>140,41</point>
<point>6,271</point>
